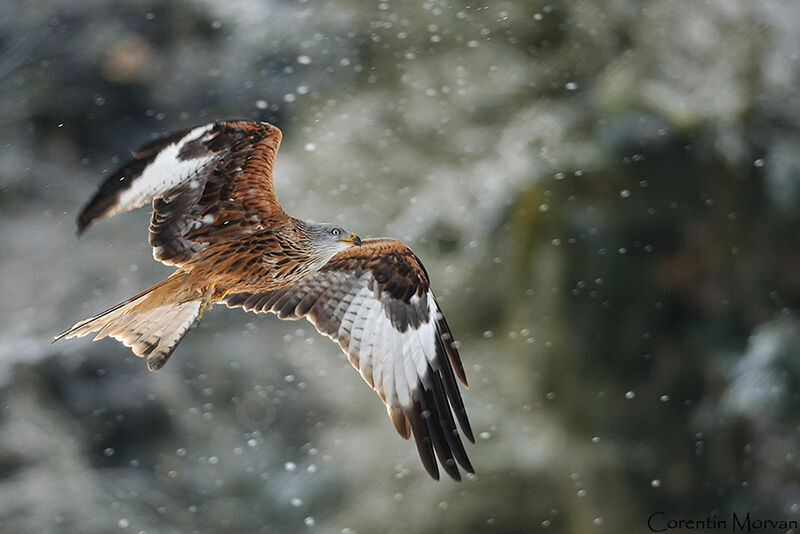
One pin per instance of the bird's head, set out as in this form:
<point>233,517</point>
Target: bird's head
<point>329,239</point>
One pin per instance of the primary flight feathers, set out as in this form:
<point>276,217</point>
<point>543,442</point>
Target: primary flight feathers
<point>216,217</point>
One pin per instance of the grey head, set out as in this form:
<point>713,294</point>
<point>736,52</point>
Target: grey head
<point>326,240</point>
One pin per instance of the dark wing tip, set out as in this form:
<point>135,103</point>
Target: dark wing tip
<point>100,203</point>
<point>449,344</point>
<point>445,376</point>
<point>83,221</point>
<point>462,377</point>
<point>423,440</point>
<point>109,190</point>
<point>466,428</point>
<point>434,429</point>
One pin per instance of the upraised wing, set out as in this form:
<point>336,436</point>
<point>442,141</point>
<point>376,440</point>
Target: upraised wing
<point>375,301</point>
<point>209,183</point>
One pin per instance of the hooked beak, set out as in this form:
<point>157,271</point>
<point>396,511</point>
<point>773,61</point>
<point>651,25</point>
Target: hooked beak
<point>352,239</point>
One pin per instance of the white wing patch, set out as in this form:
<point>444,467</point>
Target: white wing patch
<point>165,173</point>
<point>391,362</point>
<point>402,349</point>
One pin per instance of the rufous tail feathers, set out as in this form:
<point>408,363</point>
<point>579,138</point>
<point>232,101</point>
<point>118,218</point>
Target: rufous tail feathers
<point>151,323</point>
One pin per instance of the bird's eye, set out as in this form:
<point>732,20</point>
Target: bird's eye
<point>336,231</point>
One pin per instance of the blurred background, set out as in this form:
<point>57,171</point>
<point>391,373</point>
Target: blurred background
<point>604,193</point>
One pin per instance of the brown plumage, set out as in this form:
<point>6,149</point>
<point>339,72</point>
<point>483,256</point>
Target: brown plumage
<point>216,217</point>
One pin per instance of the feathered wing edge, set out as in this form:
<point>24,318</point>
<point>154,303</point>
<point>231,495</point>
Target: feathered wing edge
<point>155,169</point>
<point>402,347</point>
<point>204,182</point>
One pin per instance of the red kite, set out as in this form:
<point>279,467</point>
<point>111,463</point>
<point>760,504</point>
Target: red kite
<point>216,217</point>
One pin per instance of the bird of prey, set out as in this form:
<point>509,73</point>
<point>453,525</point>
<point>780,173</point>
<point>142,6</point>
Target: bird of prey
<point>216,218</point>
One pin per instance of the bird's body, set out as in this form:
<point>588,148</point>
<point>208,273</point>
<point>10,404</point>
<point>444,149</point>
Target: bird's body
<point>264,259</point>
<point>216,218</point>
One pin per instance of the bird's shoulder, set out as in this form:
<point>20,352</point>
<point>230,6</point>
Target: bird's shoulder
<point>393,265</point>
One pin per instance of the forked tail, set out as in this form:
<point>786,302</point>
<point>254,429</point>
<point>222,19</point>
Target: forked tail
<point>151,323</point>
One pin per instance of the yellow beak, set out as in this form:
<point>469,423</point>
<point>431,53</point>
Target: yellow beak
<point>352,239</point>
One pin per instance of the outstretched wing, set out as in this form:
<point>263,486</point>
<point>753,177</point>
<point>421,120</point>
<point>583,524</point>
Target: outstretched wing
<point>209,183</point>
<point>375,301</point>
